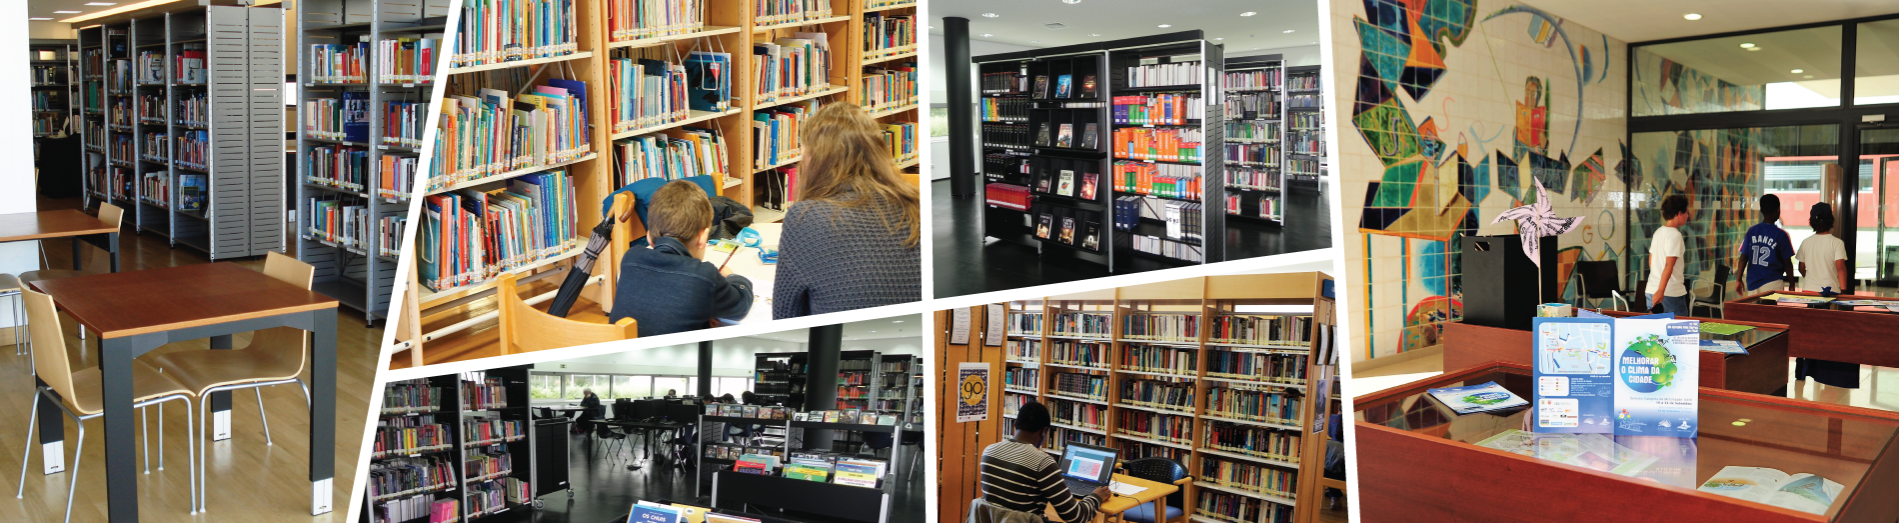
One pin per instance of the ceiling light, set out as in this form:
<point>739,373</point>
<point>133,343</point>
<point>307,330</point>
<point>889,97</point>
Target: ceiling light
<point>1219,39</point>
<point>1692,16</point>
<point>1248,13</point>
<point>1807,76</point>
<point>990,15</point>
<point>1035,41</point>
<point>873,331</point>
<point>39,18</point>
<point>1747,45</point>
<point>120,9</point>
<point>1753,48</point>
<point>1798,71</point>
<point>987,34</point>
<point>1163,26</point>
<point>897,321</point>
<point>67,12</point>
<point>1071,1</point>
<point>102,3</point>
<point>1287,31</point>
<point>1094,34</point>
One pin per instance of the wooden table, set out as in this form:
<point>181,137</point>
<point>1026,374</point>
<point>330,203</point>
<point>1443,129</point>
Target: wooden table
<point>745,263</point>
<point>1866,338</point>
<point>1763,370</point>
<point>1117,504</point>
<point>135,312</point>
<point>65,223</point>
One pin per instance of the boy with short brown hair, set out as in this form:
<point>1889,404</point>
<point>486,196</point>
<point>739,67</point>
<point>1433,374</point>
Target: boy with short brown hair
<point>665,287</point>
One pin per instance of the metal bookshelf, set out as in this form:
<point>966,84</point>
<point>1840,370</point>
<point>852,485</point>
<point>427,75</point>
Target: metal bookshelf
<point>361,272</point>
<point>454,411</point>
<point>55,86</point>
<point>239,212</point>
<point>1244,199</point>
<point>1305,124</point>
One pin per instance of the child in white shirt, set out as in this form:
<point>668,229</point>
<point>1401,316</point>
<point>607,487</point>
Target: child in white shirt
<point>1823,255</point>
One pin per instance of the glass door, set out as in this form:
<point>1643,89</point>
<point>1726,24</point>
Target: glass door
<point>1877,252</point>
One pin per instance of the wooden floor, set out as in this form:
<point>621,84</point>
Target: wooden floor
<point>483,340</point>
<point>247,480</point>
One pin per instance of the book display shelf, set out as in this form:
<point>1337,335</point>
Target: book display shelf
<point>452,448</point>
<point>159,89</point>
<point>366,75</point>
<point>52,63</point>
<point>642,106</point>
<point>802,478</point>
<point>1212,372</point>
<point>1255,134</point>
<point>1305,124</point>
<point>780,377</point>
<point>1095,149</point>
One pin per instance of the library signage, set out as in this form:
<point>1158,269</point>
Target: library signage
<point>972,392</point>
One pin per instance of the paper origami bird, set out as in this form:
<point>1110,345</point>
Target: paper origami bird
<point>1537,220</point>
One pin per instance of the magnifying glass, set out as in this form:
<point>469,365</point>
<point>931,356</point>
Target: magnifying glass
<point>746,237</point>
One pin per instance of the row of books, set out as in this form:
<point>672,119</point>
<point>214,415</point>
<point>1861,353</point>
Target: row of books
<point>1009,196</point>
<point>1252,440</point>
<point>1254,178</point>
<point>1021,378</point>
<point>1252,154</point>
<point>496,31</point>
<point>119,77</point>
<point>1025,349</point>
<point>1303,83</point>
<point>1306,142</point>
<point>1080,353</point>
<point>333,118</point>
<point>1012,403</point>
<point>1064,183</point>
<point>1086,415</point>
<point>636,19</point>
<point>1158,109</point>
<point>1005,109</point>
<point>1132,450</point>
<point>1263,207</point>
<point>44,124</point>
<point>1261,329</point>
<point>1081,384</point>
<point>397,176</point>
<point>1068,225</point>
<point>1161,327</point>
<point>1182,219</point>
<point>488,497</point>
<point>1254,405</point>
<point>194,149</point>
<point>48,75</point>
<point>1261,105</point>
<point>1167,73</point>
<point>498,132</point>
<point>1269,78</point>
<point>1064,87</point>
<point>887,87</point>
<point>775,138</point>
<point>646,92</point>
<point>1247,476</point>
<point>1168,145</point>
<point>735,452</point>
<point>790,67</point>
<point>124,148</point>
<point>1083,324</point>
<point>341,222</point>
<point>900,138</point>
<point>188,65</point>
<point>484,465</point>
<point>883,31</point>
<point>403,435</point>
<point>1146,358</point>
<point>1005,82</point>
<point>343,166</point>
<point>1228,507</point>
<point>777,12</point>
<point>153,145</point>
<point>339,63</point>
<point>1061,437</point>
<point>1174,428</point>
<point>1275,368</point>
<point>673,154</point>
<point>403,123</point>
<point>192,108</point>
<point>480,430</point>
<point>414,508</point>
<point>151,107</point>
<point>1157,394</point>
<point>407,60</point>
<point>1166,247</point>
<point>1304,167</point>
<point>489,393</point>
<point>121,112</point>
<point>1175,181</point>
<point>405,396</point>
<point>1252,131</point>
<point>1305,101</point>
<point>1065,136</point>
<point>1025,324</point>
<point>401,476</point>
<point>1307,120</point>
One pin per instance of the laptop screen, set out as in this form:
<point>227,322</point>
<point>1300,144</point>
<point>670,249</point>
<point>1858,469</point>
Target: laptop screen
<point>1089,464</point>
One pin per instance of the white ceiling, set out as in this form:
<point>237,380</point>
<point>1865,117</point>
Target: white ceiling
<point>1020,22</point>
<point>45,8</point>
<point>896,327</point>
<point>1644,20</point>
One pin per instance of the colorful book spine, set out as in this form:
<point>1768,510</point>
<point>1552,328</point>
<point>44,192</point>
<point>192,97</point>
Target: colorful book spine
<point>496,31</point>
<point>629,20</point>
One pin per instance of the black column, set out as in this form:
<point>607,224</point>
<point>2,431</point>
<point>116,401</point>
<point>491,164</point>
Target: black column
<point>705,370</point>
<point>962,144</point>
<point>820,391</point>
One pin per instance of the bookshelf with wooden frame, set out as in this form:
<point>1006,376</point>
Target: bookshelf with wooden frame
<point>357,266</point>
<point>134,122</point>
<point>1075,362</point>
<point>1253,184</point>
<point>898,57</point>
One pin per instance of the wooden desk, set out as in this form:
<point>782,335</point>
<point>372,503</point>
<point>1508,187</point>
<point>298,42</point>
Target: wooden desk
<point>762,275</point>
<point>135,312</point>
<point>1117,504</point>
<point>64,223</point>
<point>1763,370</point>
<point>1859,337</point>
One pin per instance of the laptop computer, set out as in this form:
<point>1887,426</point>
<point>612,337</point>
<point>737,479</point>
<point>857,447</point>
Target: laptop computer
<point>1087,467</point>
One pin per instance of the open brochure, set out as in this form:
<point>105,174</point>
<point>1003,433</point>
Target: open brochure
<point>1628,376</point>
<point>1803,492</point>
<point>1477,398</point>
<point>1590,450</point>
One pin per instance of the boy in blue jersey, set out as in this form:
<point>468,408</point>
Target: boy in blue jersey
<point>1767,254</point>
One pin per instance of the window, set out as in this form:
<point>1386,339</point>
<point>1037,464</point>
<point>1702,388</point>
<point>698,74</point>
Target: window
<point>544,386</point>
<point>1779,70</point>
<point>734,386</point>
<point>680,385</point>
<point>633,387</point>
<point>1876,67</point>
<point>577,382</point>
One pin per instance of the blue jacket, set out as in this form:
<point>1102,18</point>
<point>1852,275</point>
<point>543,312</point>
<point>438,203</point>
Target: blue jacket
<point>666,290</point>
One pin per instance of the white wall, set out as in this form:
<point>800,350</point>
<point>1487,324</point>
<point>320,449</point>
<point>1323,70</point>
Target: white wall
<point>1303,55</point>
<point>936,73</point>
<point>16,142</point>
<point>50,30</point>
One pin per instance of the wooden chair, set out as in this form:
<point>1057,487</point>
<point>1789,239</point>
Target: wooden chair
<point>527,329</point>
<point>914,179</point>
<point>99,265</point>
<point>275,356</point>
<point>78,394</point>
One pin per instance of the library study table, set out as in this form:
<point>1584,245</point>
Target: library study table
<point>1416,462</point>
<point>1862,337</point>
<point>1763,370</point>
<point>745,263</point>
<point>135,312</point>
<point>64,223</point>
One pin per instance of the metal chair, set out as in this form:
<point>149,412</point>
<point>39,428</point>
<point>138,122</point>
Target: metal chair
<point>10,288</point>
<point>1709,296</point>
<point>1160,470</point>
<point>1600,280</point>
<point>77,393</point>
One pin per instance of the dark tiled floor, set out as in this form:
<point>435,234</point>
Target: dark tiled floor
<point>966,263</point>
<point>603,490</point>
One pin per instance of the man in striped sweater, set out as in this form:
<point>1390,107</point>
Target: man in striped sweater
<point>1017,475</point>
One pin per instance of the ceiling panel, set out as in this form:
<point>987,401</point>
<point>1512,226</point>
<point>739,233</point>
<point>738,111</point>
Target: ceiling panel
<point>1024,22</point>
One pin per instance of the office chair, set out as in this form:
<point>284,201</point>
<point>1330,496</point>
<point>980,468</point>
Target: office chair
<point>1161,470</point>
<point>1600,280</point>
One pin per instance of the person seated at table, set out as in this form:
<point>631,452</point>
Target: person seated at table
<point>666,287</point>
<point>853,238</point>
<point>590,409</point>
<point>1017,475</point>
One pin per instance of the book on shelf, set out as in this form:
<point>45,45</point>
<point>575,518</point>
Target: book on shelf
<point>637,19</point>
<point>672,154</point>
<point>338,220</point>
<point>1168,145</point>
<point>708,84</point>
<point>901,139</point>
<point>1065,135</point>
<point>340,63</point>
<point>1164,180</point>
<point>496,31</point>
<point>1268,78</point>
<point>790,67</point>
<point>775,133</point>
<point>469,236</point>
<point>1158,109</point>
<point>1167,71</point>
<point>407,60</point>
<point>781,12</point>
<point>884,31</point>
<point>888,85</point>
<point>647,92</point>
<point>497,132</point>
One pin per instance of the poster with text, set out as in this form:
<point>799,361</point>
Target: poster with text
<point>1657,377</point>
<point>972,391</point>
<point>1575,375</point>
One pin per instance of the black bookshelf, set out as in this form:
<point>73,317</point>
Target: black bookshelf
<point>1146,226</point>
<point>1255,186</point>
<point>451,413</point>
<point>1305,124</point>
<point>780,378</point>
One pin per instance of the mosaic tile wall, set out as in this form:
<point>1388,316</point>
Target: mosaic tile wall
<point>1664,86</point>
<point>1455,108</point>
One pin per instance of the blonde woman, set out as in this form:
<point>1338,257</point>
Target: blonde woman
<point>852,239</point>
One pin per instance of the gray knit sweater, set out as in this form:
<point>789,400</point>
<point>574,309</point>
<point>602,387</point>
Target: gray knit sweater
<point>834,258</point>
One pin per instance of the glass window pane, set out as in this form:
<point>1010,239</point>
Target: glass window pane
<point>634,387</point>
<point>1876,63</point>
<point>1779,70</point>
<point>677,385</point>
<point>544,386</point>
<point>578,382</point>
<point>1876,260</point>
